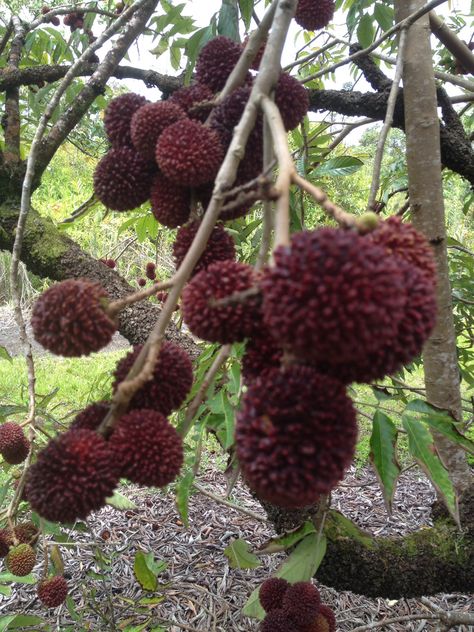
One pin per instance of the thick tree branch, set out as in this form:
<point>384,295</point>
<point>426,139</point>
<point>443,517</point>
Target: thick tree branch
<point>452,42</point>
<point>11,121</point>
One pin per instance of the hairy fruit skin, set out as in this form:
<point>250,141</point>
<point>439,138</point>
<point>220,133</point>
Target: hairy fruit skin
<point>216,61</point>
<point>52,592</point>
<point>302,601</point>
<point>330,295</point>
<point>277,621</point>
<point>118,116</point>
<point>402,240</point>
<point>313,15</point>
<point>189,153</point>
<point>25,533</point>
<point>226,323</point>
<point>172,379</point>
<point>123,179</point>
<point>192,98</point>
<point>220,246</point>
<point>14,446</point>
<point>325,621</point>
<point>91,417</point>
<point>292,99</point>
<point>73,475</point>
<point>148,447</point>
<point>271,593</point>
<point>170,203</point>
<point>149,122</point>
<point>261,352</point>
<point>69,319</point>
<point>295,435</point>
<point>21,560</point>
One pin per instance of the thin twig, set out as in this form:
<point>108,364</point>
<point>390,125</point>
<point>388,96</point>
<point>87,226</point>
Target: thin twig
<point>114,307</point>
<point>6,36</point>
<point>387,124</point>
<point>268,159</point>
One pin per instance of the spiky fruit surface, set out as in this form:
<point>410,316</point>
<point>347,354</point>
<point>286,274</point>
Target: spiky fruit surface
<point>402,240</point>
<point>220,246</point>
<point>325,621</point>
<point>118,116</point>
<point>148,447</point>
<point>261,352</point>
<point>171,383</point>
<point>91,417</point>
<point>295,435</point>
<point>69,320</point>
<point>189,153</point>
<point>26,532</point>
<point>313,15</point>
<point>122,179</point>
<point>331,295</point>
<point>258,58</point>
<point>193,100</point>
<point>271,593</point>
<point>170,203</point>
<point>149,122</point>
<point>221,323</point>
<point>14,446</point>
<point>6,541</point>
<point>216,61</point>
<point>292,100</point>
<point>21,560</point>
<point>414,329</point>
<point>301,602</point>
<point>277,621</point>
<point>73,475</point>
<point>52,592</point>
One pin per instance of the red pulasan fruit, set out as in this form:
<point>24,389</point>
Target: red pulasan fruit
<point>69,318</point>
<point>216,61</point>
<point>414,329</point>
<point>220,246</point>
<point>277,621</point>
<point>6,541</point>
<point>91,417</point>
<point>150,271</point>
<point>261,352</point>
<point>73,475</point>
<point>123,179</point>
<point>170,203</point>
<point>331,295</point>
<point>21,560</point>
<point>148,448</point>
<point>295,436</point>
<point>325,621</point>
<point>14,446</point>
<point>292,100</point>
<point>271,593</point>
<point>118,116</point>
<point>313,15</point>
<point>52,592</point>
<point>404,241</point>
<point>302,602</point>
<point>194,100</point>
<point>189,153</point>
<point>221,323</point>
<point>171,383</point>
<point>149,122</point>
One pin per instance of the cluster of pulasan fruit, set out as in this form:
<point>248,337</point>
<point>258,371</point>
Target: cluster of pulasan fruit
<point>17,546</point>
<point>76,471</point>
<point>335,307</point>
<point>294,607</point>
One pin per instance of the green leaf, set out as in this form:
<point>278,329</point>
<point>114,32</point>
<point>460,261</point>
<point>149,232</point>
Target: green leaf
<point>5,590</point>
<point>7,577</point>
<point>246,8</point>
<point>5,621</point>
<point>421,446</point>
<point>365,31</point>
<point>228,23</point>
<point>4,355</point>
<point>441,421</point>
<point>197,41</point>
<point>136,628</point>
<point>287,540</point>
<point>183,492</point>
<point>240,556</point>
<point>23,621</point>
<point>339,166</point>
<point>301,565</point>
<point>229,415</point>
<point>119,501</point>
<point>383,455</point>
<point>384,15</point>
<point>145,576</point>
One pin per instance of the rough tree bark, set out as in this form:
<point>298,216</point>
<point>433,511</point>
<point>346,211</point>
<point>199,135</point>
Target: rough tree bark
<point>442,375</point>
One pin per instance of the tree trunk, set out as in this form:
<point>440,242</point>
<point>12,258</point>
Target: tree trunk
<point>442,375</point>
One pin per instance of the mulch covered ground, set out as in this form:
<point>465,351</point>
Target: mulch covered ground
<point>199,589</point>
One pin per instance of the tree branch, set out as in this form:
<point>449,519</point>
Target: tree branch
<point>452,42</point>
<point>11,122</point>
